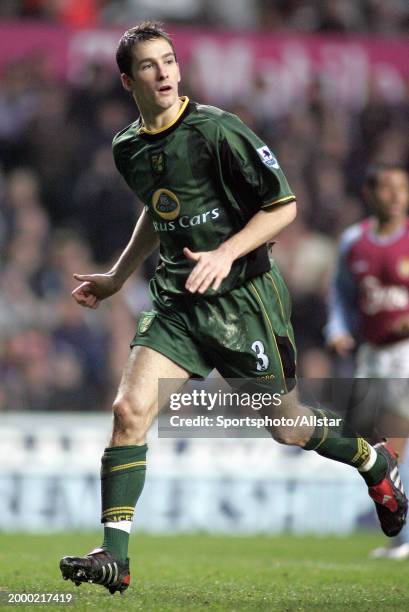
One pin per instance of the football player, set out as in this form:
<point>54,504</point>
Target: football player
<point>214,194</point>
<point>370,306</point>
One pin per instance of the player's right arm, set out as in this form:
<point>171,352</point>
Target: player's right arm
<point>342,303</point>
<point>97,287</point>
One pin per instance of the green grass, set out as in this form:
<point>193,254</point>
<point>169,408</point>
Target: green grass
<point>202,572</point>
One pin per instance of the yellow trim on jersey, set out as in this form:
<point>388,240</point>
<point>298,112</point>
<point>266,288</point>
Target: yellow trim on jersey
<point>166,127</point>
<point>282,312</point>
<point>280,201</point>
<point>124,466</point>
<point>278,295</point>
<point>271,329</point>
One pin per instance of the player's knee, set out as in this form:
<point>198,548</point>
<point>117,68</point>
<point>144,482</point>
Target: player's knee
<point>288,432</point>
<point>130,416</point>
<point>288,436</point>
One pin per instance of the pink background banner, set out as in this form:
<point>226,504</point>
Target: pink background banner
<point>224,65</point>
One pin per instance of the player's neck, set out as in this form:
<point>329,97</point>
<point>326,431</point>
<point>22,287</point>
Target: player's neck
<point>153,120</point>
<point>386,228</point>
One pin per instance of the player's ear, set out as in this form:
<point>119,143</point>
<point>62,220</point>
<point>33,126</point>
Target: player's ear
<point>179,77</point>
<point>126,82</point>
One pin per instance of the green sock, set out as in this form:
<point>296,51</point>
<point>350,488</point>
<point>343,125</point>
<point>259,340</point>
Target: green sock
<point>122,478</point>
<point>337,441</point>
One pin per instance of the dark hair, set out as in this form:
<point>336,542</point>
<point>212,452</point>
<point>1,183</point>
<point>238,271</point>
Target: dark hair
<point>146,30</point>
<point>372,173</point>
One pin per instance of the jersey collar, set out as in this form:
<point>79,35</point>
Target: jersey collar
<point>167,129</point>
<point>388,239</point>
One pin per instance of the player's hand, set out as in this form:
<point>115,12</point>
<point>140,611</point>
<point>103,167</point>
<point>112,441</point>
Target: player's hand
<point>342,345</point>
<point>94,288</point>
<point>210,269</point>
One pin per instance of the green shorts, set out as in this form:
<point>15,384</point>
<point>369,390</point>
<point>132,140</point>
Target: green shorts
<point>245,333</point>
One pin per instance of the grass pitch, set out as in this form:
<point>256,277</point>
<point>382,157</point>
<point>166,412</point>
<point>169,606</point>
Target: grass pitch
<point>201,572</point>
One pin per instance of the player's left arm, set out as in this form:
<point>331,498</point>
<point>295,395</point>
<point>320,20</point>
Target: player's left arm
<point>263,198</point>
<point>213,267</point>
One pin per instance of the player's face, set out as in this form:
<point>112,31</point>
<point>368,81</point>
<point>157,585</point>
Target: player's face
<point>155,76</point>
<point>390,196</point>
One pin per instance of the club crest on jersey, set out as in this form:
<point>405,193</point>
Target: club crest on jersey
<point>166,204</point>
<point>158,162</point>
<point>403,267</point>
<point>145,321</point>
<point>267,157</point>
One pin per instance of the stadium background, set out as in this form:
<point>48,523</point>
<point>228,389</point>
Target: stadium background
<point>326,85</point>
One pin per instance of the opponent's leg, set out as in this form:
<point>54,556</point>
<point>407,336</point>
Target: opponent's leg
<point>124,465</point>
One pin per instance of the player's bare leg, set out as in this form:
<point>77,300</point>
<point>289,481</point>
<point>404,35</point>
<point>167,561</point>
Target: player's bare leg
<point>136,403</point>
<point>291,408</point>
<point>123,467</point>
<point>332,438</point>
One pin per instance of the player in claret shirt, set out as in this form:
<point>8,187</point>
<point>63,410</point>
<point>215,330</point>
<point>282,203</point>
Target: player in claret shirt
<point>370,305</point>
<point>214,195</point>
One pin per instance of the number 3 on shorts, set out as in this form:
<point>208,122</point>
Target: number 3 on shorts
<point>263,361</point>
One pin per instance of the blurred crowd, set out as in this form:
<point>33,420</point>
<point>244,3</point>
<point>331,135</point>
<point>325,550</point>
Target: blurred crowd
<point>64,208</point>
<point>390,16</point>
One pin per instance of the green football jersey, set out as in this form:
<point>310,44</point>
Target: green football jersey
<point>201,179</point>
